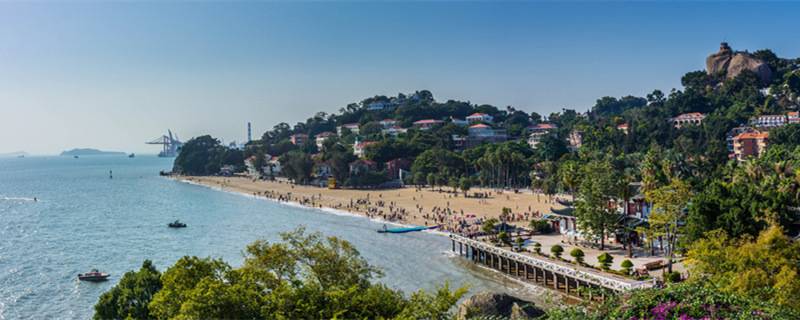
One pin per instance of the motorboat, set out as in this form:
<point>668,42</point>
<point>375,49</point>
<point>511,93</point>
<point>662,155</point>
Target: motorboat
<point>131,155</point>
<point>93,275</point>
<point>176,224</point>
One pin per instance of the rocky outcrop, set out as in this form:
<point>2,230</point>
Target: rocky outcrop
<point>487,304</point>
<point>735,62</point>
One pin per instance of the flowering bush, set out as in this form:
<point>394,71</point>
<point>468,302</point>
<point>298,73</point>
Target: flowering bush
<point>683,302</point>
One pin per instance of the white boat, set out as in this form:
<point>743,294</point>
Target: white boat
<point>93,275</point>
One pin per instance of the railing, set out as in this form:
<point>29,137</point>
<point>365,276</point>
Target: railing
<point>566,270</point>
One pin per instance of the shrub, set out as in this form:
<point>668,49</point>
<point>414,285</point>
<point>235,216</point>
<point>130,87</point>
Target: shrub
<point>503,237</point>
<point>673,277</point>
<point>577,254</point>
<point>538,247</point>
<point>605,260</point>
<point>519,241</point>
<point>626,266</point>
<point>540,226</point>
<point>557,250</point>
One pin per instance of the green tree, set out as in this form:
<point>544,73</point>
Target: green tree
<point>669,205</point>
<point>764,267</point>
<point>595,216</point>
<point>130,298</point>
<point>464,184</point>
<point>626,266</point>
<point>577,254</point>
<point>605,260</point>
<point>556,250</point>
<point>180,280</point>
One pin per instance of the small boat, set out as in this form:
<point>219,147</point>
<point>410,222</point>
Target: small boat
<point>94,275</point>
<point>176,224</point>
<point>404,230</point>
<point>131,155</point>
<point>76,157</point>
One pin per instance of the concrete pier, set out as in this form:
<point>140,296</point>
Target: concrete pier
<point>560,276</point>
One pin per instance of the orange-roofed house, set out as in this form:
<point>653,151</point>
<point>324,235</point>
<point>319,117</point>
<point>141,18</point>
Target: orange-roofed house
<point>792,117</point>
<point>694,118</point>
<point>749,144</point>
<point>479,117</point>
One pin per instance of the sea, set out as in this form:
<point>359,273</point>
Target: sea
<point>60,216</point>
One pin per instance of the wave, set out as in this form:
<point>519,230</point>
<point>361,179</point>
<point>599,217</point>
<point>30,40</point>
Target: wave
<point>23,199</point>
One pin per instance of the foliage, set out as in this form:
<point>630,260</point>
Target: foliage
<point>763,267</point>
<point>488,225</point>
<point>605,260</point>
<point>676,302</point>
<point>595,216</point>
<point>556,250</point>
<point>307,276</point>
<point>537,247</point>
<point>205,155</point>
<point>503,237</point>
<point>669,205</point>
<point>626,265</point>
<point>519,241</point>
<point>673,277</point>
<point>297,166</point>
<point>577,254</point>
<point>541,226</point>
<point>364,178</point>
<point>130,298</point>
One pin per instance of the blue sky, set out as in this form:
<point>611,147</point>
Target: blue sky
<point>112,75</point>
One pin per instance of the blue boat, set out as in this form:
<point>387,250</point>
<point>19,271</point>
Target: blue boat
<point>404,230</point>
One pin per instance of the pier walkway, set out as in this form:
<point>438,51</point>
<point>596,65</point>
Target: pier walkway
<point>561,276</point>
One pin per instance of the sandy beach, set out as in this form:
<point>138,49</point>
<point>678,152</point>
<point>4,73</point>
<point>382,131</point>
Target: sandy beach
<point>408,206</point>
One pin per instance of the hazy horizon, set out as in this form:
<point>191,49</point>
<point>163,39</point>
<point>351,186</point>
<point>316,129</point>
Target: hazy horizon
<point>114,75</point>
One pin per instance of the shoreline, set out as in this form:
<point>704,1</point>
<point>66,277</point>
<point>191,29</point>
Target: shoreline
<point>407,206</point>
<point>301,195</point>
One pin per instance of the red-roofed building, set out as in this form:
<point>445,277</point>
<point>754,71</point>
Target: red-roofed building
<point>427,123</point>
<point>362,163</point>
<point>694,118</point>
<point>298,138</point>
<point>623,127</point>
<point>352,126</point>
<point>394,166</point>
<point>792,117</point>
<point>388,123</point>
<point>479,117</point>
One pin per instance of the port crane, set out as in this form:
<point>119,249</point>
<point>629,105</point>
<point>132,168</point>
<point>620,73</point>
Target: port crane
<point>170,145</point>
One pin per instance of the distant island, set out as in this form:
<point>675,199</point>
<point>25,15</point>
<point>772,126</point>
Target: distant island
<point>91,152</point>
<point>14,154</point>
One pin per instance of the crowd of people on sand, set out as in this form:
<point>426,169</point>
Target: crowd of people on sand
<point>449,220</point>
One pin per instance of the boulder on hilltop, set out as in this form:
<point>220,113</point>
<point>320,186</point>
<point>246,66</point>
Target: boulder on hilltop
<point>488,304</point>
<point>735,62</point>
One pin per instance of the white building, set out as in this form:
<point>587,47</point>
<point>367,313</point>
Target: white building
<point>360,149</point>
<point>687,118</point>
<point>322,137</point>
<point>352,126</point>
<point>768,121</point>
<point>479,117</point>
<point>388,123</point>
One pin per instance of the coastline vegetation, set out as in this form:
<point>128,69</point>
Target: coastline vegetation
<point>306,276</point>
<point>732,219</point>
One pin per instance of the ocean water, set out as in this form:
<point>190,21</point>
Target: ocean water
<point>83,219</point>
